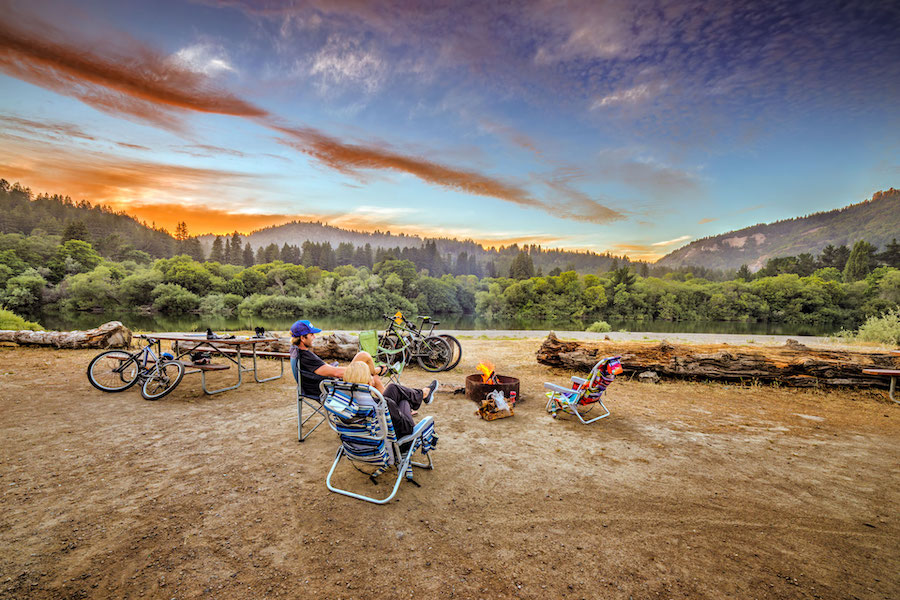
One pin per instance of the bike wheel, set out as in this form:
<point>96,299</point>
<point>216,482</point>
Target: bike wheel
<point>113,371</point>
<point>457,350</point>
<point>434,354</point>
<point>162,380</point>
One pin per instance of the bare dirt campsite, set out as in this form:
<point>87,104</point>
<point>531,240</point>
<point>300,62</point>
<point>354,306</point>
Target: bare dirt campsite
<point>688,490</point>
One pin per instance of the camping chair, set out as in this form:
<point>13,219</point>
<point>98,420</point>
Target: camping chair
<point>368,342</point>
<point>359,414</point>
<point>314,403</point>
<point>584,393</point>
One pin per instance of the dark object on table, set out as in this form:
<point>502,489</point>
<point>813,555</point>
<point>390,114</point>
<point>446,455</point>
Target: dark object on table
<point>260,332</point>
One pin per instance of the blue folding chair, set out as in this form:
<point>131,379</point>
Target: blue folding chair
<point>359,415</point>
<point>313,403</point>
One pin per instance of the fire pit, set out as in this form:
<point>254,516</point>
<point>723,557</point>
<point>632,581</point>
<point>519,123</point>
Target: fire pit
<point>476,389</point>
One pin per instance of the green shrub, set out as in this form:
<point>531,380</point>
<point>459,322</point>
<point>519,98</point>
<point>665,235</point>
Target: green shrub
<point>10,320</point>
<point>599,327</point>
<point>884,329</point>
<point>172,299</point>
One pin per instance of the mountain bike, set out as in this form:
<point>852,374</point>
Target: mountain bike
<point>118,370</point>
<point>404,341</point>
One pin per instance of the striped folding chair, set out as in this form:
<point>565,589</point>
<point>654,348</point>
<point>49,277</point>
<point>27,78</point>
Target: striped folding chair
<point>312,403</point>
<point>359,415</point>
<point>584,394</point>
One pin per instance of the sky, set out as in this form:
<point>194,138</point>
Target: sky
<point>626,126</point>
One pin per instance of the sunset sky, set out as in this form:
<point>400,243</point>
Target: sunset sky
<point>619,125</point>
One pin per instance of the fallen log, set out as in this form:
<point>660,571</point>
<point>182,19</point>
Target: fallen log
<point>792,365</point>
<point>108,335</point>
<point>335,346</point>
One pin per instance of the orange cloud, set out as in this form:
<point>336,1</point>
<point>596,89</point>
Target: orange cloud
<point>140,81</point>
<point>103,178</point>
<point>202,220</point>
<point>352,158</point>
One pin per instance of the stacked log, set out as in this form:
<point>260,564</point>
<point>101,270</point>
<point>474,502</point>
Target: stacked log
<point>792,365</point>
<point>108,335</point>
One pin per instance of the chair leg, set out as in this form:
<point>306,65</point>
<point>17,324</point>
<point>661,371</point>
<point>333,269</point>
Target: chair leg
<point>589,421</point>
<point>301,421</point>
<point>401,469</point>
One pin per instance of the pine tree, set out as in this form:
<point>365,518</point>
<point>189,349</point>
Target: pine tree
<point>744,273</point>
<point>861,261</point>
<point>891,254</point>
<point>248,256</point>
<point>217,254</point>
<point>76,230</point>
<point>522,266</point>
<point>236,256</point>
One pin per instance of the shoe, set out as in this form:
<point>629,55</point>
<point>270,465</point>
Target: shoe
<point>431,389</point>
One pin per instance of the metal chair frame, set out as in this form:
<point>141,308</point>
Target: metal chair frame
<point>401,460</point>
<point>563,399</point>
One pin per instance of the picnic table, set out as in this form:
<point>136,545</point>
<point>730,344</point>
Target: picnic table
<point>231,349</point>
<point>892,373</point>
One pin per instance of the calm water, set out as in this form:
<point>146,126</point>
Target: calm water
<point>67,321</point>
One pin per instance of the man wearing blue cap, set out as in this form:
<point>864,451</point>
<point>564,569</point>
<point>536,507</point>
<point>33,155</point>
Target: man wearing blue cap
<point>315,370</point>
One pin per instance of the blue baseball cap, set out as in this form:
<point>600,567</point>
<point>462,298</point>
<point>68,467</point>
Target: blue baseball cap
<point>304,327</point>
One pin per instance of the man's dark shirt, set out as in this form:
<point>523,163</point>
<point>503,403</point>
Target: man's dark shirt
<point>309,381</point>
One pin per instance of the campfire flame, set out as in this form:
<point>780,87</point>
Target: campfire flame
<point>487,372</point>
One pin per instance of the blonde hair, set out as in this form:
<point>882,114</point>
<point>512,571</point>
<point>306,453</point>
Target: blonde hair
<point>295,341</point>
<point>357,372</point>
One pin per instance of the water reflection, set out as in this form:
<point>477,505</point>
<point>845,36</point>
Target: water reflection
<point>187,323</point>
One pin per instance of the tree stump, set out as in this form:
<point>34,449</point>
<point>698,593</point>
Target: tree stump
<point>792,365</point>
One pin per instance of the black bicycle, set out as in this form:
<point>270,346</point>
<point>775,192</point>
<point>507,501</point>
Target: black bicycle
<point>118,370</point>
<point>404,341</point>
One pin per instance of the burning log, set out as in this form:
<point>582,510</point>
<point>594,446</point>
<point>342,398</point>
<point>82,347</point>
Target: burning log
<point>793,364</point>
<point>488,375</point>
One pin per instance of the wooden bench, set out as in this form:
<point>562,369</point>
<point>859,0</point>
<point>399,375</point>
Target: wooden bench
<point>892,373</point>
<point>259,353</point>
<point>204,367</point>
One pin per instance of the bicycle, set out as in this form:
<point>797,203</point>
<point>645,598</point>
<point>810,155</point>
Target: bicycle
<point>119,370</point>
<point>402,340</point>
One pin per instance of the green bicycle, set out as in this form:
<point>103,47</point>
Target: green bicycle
<point>403,341</point>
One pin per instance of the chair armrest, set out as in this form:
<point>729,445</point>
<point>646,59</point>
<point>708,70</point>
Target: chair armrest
<point>417,430</point>
<point>578,380</point>
<point>558,388</point>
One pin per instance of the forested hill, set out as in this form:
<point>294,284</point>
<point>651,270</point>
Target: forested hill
<point>876,221</point>
<point>297,232</point>
<point>114,234</point>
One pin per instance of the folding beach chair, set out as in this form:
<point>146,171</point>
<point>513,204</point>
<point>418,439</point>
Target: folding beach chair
<point>360,416</point>
<point>585,394</point>
<point>368,342</point>
<point>313,403</point>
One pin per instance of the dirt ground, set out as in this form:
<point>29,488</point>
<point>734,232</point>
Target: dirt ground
<point>687,490</point>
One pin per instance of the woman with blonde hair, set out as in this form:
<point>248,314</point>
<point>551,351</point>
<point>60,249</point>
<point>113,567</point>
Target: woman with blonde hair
<point>401,400</point>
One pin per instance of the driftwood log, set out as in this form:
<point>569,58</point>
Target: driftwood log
<point>792,365</point>
<point>108,335</point>
<point>336,346</point>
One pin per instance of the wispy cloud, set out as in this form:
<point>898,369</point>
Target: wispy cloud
<point>205,57</point>
<point>344,61</point>
<point>705,221</point>
<point>677,240</point>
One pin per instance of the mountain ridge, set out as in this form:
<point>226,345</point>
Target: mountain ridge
<point>876,220</point>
